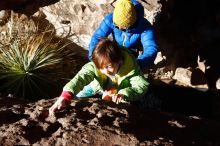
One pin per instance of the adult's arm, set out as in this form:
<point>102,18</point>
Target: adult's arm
<point>150,48</point>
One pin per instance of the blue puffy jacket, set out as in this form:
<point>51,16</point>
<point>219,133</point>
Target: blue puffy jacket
<point>141,34</point>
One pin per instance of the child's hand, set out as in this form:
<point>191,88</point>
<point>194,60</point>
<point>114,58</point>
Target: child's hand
<point>107,94</point>
<point>107,97</point>
<point>59,104</point>
<point>117,98</point>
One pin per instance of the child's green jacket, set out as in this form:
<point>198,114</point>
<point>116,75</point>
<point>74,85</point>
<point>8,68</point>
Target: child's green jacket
<point>130,80</point>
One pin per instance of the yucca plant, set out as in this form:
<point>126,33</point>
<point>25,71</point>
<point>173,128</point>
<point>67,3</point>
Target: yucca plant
<point>31,62</point>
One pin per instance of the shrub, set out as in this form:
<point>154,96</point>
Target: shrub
<point>31,61</point>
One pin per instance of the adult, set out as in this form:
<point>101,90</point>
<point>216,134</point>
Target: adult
<point>130,29</point>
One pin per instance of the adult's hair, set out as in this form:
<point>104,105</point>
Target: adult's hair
<point>105,52</point>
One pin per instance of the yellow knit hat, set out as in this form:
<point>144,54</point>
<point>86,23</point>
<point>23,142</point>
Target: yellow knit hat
<point>124,14</point>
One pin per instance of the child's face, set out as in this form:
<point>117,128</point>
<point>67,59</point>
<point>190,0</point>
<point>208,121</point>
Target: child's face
<point>109,69</point>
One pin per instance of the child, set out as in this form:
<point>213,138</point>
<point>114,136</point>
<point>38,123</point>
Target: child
<point>116,71</point>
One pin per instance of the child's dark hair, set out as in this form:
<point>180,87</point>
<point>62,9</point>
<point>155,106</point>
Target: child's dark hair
<point>106,51</point>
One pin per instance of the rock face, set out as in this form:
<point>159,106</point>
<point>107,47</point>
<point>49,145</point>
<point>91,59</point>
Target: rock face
<point>80,18</point>
<point>188,30</point>
<point>84,16</point>
<point>97,122</point>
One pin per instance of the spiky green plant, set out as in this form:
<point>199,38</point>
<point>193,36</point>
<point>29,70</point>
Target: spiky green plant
<point>31,62</point>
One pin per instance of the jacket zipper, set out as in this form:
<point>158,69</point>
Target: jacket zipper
<point>124,34</point>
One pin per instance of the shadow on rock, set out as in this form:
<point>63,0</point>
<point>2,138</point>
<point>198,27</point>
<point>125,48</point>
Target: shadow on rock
<point>175,128</point>
<point>34,132</point>
<point>8,117</point>
<point>28,7</point>
<point>187,101</point>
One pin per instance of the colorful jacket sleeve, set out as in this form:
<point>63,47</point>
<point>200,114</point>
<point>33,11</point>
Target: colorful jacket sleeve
<point>132,83</point>
<point>81,79</point>
<point>103,30</point>
<point>138,87</point>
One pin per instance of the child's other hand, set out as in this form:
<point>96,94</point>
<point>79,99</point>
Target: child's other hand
<point>59,104</point>
<point>117,98</point>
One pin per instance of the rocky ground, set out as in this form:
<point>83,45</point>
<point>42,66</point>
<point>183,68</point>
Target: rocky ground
<point>186,117</point>
<point>177,115</point>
